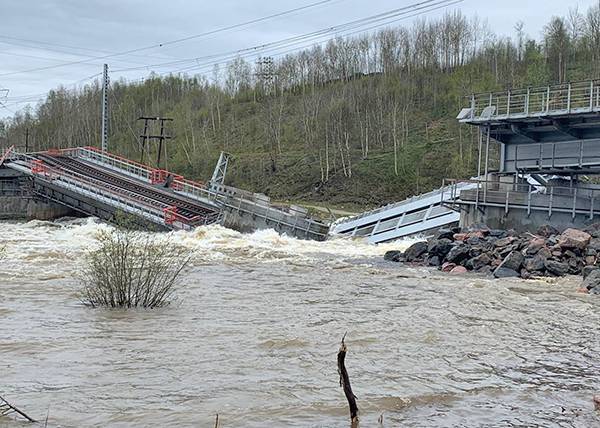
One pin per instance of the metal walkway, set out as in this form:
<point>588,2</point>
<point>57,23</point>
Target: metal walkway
<point>412,216</point>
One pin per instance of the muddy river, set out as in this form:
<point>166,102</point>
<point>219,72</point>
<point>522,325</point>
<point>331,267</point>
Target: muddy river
<point>254,334</point>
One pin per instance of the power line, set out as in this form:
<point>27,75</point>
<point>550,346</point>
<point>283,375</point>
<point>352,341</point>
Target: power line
<point>170,42</point>
<point>378,20</point>
<point>325,32</point>
<point>275,48</point>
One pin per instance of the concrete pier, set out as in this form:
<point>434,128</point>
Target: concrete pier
<point>17,201</point>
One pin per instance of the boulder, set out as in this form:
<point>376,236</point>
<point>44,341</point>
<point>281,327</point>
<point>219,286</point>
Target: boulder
<point>593,229</point>
<point>535,263</point>
<point>447,267</point>
<point>573,238</point>
<point>458,270</point>
<point>587,270</point>
<point>458,254</point>
<point>502,272</point>
<point>544,252</point>
<point>592,280</point>
<point>594,245</point>
<point>415,251</point>
<point>439,247</point>
<point>434,261</point>
<point>444,234</point>
<point>525,274</point>
<point>547,231</point>
<point>535,245</point>
<point>590,260</point>
<point>460,236</point>
<point>556,268</point>
<point>393,256</point>
<point>513,261</point>
<point>497,233</point>
<point>476,263</point>
<point>504,242</point>
<point>473,240</point>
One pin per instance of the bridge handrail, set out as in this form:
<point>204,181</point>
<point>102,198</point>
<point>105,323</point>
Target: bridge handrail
<point>127,198</point>
<point>572,97</point>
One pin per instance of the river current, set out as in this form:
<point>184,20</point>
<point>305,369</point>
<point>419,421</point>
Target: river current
<point>254,333</point>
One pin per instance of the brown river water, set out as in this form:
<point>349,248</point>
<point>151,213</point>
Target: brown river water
<point>254,334</point>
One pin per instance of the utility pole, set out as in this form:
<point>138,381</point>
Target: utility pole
<point>105,109</point>
<point>145,138</point>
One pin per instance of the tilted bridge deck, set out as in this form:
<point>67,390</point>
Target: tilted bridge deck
<point>100,184</point>
<point>412,216</point>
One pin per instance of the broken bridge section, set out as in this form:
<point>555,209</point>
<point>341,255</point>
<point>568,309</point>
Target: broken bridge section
<point>102,184</point>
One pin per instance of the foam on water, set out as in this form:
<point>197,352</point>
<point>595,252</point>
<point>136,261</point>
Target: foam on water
<point>69,239</point>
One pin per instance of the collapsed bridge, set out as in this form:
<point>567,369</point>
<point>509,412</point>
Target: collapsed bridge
<point>102,184</point>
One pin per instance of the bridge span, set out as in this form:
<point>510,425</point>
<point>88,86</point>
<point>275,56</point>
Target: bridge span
<point>102,184</point>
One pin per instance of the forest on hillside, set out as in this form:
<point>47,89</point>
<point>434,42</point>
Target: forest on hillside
<point>359,120</point>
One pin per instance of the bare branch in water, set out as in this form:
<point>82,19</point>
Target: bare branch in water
<point>6,409</point>
<point>345,383</point>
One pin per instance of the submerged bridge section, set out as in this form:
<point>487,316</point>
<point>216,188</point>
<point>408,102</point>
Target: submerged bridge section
<point>101,184</point>
<point>413,216</point>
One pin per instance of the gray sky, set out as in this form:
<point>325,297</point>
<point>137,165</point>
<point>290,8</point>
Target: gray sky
<point>103,27</point>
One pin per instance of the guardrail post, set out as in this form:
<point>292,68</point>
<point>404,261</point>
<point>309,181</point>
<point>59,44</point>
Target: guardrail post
<point>569,98</point>
<point>472,106</point>
<point>548,100</point>
<point>527,101</point>
<point>580,153</point>
<point>529,201</point>
<point>508,104</point>
<point>550,202</point>
<point>574,202</point>
<point>591,95</point>
<point>506,202</point>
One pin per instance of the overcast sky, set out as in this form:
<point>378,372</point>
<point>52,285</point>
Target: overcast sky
<point>103,27</point>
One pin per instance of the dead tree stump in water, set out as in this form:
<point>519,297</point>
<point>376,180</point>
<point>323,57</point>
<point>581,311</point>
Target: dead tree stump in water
<point>345,383</point>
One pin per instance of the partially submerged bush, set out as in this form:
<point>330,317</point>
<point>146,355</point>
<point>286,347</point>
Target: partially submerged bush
<point>132,269</point>
<point>2,251</point>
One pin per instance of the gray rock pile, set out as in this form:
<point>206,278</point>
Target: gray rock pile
<point>505,253</point>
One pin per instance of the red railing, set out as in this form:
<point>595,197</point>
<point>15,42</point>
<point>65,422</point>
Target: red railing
<point>153,175</point>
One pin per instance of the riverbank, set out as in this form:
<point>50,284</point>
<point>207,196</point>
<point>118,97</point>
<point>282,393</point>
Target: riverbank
<point>505,253</point>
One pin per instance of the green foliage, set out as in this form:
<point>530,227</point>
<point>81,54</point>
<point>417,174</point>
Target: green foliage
<point>132,269</point>
<point>361,120</point>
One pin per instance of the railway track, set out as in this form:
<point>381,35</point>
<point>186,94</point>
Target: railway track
<point>185,208</point>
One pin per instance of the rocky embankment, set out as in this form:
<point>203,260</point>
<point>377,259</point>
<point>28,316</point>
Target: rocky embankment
<point>509,254</point>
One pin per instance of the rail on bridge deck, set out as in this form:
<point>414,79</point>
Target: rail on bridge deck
<point>100,184</point>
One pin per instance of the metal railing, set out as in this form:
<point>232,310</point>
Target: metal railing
<point>574,97</point>
<point>575,199</point>
<point>100,190</point>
